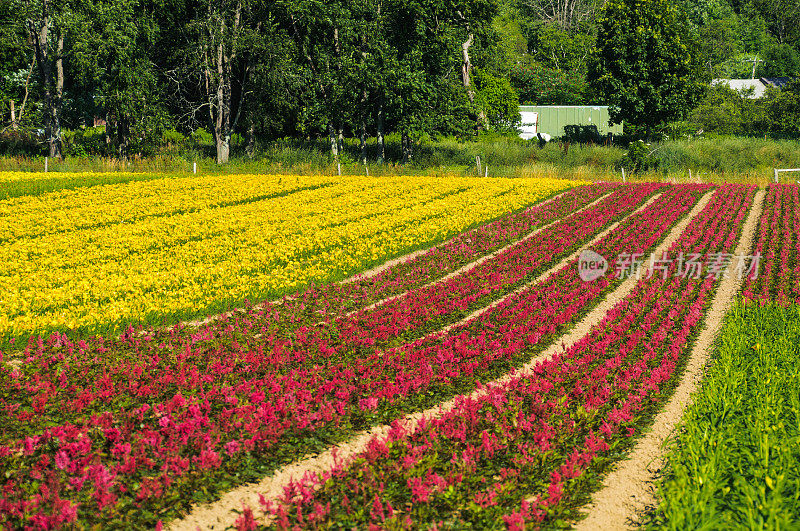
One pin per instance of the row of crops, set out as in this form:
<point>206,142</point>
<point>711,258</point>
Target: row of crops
<point>97,258</point>
<point>133,429</point>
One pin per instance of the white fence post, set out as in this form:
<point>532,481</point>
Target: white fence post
<point>778,171</point>
<point>45,165</point>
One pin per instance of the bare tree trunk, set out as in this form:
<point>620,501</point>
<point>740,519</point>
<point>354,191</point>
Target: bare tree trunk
<point>380,139</point>
<point>408,149</point>
<point>362,135</point>
<point>222,122</point>
<point>48,60</point>
<point>466,76</point>
<point>16,119</point>
<point>123,137</point>
<point>251,139</point>
<point>466,67</point>
<point>334,143</point>
<point>218,86</point>
<point>55,147</point>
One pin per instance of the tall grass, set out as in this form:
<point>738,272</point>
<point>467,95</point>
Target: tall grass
<point>731,155</point>
<point>734,159</point>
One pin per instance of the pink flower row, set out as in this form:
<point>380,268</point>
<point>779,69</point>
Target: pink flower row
<point>542,436</point>
<point>426,308</point>
<point>779,247</point>
<point>334,299</point>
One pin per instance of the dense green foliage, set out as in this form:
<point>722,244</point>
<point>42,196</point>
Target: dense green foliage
<point>730,112</point>
<point>142,75</point>
<point>643,64</point>
<point>735,462</point>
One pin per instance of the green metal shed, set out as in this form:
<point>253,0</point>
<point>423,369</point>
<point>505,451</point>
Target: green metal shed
<point>551,119</point>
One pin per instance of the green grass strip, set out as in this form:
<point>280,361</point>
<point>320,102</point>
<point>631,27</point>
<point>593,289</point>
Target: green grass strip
<point>736,462</point>
<point>65,181</point>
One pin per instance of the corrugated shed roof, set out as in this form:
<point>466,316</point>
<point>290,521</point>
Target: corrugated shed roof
<point>778,82</point>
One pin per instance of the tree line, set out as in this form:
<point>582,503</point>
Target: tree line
<point>255,70</point>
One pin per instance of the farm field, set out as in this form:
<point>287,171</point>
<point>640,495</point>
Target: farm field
<point>497,387</point>
<point>97,258</point>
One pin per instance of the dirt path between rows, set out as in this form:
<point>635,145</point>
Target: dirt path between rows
<point>628,491</point>
<point>223,513</point>
<point>472,265</point>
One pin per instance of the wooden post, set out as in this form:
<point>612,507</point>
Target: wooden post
<point>194,168</point>
<point>45,165</point>
<point>478,163</point>
<point>624,179</point>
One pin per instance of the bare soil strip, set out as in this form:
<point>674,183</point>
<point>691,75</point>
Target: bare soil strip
<point>223,513</point>
<point>628,491</point>
<point>472,265</point>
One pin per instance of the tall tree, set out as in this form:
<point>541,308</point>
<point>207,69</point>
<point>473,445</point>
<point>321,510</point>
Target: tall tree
<point>111,49</point>
<point>211,72</point>
<point>17,64</point>
<point>566,14</point>
<point>642,66</point>
<point>783,18</point>
<point>44,20</point>
<point>325,39</point>
<point>561,33</point>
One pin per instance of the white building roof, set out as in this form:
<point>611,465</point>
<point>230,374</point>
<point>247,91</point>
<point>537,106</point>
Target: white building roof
<point>758,86</point>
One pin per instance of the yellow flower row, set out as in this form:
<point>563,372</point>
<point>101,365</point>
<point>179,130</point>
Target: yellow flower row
<point>69,210</point>
<point>124,253</point>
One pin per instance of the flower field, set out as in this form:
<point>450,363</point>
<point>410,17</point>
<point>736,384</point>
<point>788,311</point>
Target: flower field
<point>97,258</point>
<point>134,429</point>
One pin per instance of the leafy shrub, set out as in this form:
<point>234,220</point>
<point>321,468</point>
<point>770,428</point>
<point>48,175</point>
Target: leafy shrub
<point>202,137</point>
<point>639,157</point>
<point>85,142</point>
<point>730,112</point>
<point>539,85</point>
<point>20,142</point>
<point>582,134</point>
<point>172,137</point>
<point>781,60</point>
<point>783,109</point>
<point>498,99</point>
